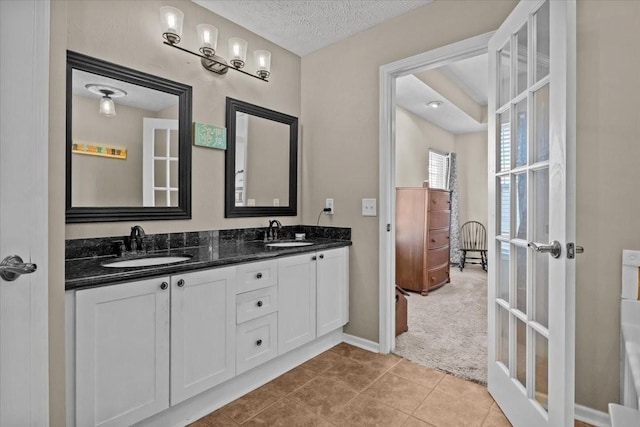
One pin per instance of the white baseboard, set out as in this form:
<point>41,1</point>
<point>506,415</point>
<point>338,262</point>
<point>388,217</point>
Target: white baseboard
<point>592,416</point>
<point>361,342</point>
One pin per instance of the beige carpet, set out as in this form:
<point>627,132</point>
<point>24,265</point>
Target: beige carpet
<point>448,328</point>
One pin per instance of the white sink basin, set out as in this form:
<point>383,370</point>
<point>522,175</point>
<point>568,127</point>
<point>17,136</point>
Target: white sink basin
<point>288,244</point>
<point>146,262</point>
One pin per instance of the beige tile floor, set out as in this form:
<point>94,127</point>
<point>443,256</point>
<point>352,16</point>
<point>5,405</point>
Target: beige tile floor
<point>348,386</point>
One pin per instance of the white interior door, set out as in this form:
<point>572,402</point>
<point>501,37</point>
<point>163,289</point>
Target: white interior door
<point>24,80</point>
<point>532,192</point>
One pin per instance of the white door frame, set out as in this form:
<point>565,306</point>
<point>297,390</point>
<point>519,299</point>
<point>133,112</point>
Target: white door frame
<point>24,136</point>
<point>388,73</point>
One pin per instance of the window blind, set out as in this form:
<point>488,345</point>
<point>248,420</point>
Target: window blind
<point>438,170</point>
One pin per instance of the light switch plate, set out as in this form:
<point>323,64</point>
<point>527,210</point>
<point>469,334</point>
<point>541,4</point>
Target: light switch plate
<point>369,207</point>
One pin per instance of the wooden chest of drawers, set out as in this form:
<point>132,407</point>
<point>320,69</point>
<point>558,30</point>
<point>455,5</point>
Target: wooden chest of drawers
<point>422,238</point>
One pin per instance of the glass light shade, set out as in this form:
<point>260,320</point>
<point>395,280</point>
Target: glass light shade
<point>171,23</point>
<point>237,52</point>
<point>208,36</point>
<point>262,59</point>
<point>107,107</point>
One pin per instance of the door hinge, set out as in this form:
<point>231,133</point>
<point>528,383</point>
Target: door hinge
<point>572,250</point>
<point>388,227</point>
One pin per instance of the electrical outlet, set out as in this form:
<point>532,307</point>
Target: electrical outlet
<point>369,207</point>
<point>276,202</point>
<point>329,204</point>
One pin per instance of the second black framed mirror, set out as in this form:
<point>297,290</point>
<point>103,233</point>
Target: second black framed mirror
<point>261,167</point>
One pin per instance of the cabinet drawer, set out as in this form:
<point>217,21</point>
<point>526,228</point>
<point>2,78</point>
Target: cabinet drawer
<point>256,275</point>
<point>438,219</point>
<point>438,276</point>
<point>438,200</point>
<point>437,257</point>
<point>438,238</point>
<point>250,305</point>
<point>257,342</point>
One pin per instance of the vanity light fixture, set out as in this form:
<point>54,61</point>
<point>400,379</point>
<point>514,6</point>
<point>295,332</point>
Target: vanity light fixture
<point>434,104</point>
<point>171,22</point>
<point>107,106</point>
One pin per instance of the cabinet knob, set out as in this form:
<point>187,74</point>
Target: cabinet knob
<point>259,303</point>
<point>180,283</point>
<point>321,256</point>
<point>164,286</point>
<point>259,343</point>
<point>259,275</point>
<point>313,258</point>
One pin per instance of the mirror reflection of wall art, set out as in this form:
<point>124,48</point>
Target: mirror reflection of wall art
<point>209,136</point>
<point>102,150</point>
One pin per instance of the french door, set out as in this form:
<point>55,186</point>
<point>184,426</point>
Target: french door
<point>532,214</point>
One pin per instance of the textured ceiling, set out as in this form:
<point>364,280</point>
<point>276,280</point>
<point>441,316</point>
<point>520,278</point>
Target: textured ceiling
<point>303,26</point>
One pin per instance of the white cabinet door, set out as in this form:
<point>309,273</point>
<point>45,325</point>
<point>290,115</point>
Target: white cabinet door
<point>122,352</point>
<point>296,301</point>
<point>203,319</point>
<point>332,290</point>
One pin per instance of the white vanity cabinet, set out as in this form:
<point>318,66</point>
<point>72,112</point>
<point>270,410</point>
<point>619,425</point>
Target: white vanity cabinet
<point>313,294</point>
<point>203,319</point>
<point>146,345</point>
<point>122,352</point>
<point>332,290</point>
<point>159,349</point>
<point>297,301</point>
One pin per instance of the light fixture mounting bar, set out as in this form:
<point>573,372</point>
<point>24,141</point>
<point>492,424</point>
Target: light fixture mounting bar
<point>221,64</point>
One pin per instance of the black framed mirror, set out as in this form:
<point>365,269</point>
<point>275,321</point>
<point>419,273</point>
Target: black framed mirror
<point>128,151</point>
<point>261,165</point>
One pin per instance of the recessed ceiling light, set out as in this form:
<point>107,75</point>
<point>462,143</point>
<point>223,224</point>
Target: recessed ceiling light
<point>434,104</point>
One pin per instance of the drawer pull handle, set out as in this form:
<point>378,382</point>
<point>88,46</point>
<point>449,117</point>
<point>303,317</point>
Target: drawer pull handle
<point>259,304</point>
<point>313,258</point>
<point>164,286</point>
<point>321,256</point>
<point>259,275</point>
<point>180,283</point>
<point>433,240</point>
<point>259,343</point>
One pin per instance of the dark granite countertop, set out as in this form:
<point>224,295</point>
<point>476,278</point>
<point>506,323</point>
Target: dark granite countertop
<point>81,273</point>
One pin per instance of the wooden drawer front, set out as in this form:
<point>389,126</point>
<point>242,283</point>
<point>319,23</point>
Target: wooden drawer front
<point>438,219</point>
<point>437,257</point>
<point>438,200</point>
<point>438,276</point>
<point>438,238</point>
<point>256,275</point>
<point>257,342</point>
<point>250,305</point>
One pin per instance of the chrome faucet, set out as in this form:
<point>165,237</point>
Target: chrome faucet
<point>272,233</point>
<point>135,238</point>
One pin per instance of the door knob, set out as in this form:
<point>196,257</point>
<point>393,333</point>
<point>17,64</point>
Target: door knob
<point>12,267</point>
<point>554,248</point>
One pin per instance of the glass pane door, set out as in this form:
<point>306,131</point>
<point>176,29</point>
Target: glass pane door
<point>521,115</point>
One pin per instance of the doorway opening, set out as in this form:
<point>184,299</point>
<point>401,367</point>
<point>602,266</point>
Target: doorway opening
<point>409,128</point>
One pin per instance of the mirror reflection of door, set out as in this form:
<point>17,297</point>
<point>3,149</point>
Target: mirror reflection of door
<point>242,130</point>
<point>160,176</point>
